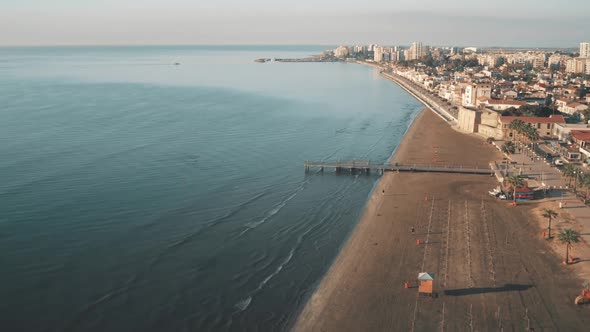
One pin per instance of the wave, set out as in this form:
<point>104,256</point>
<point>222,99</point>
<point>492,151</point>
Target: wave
<point>244,303</point>
<point>276,209</point>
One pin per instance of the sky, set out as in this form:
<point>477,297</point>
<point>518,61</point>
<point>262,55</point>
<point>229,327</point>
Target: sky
<point>509,23</point>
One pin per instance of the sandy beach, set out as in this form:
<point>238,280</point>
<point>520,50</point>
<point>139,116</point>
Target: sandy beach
<point>492,270</point>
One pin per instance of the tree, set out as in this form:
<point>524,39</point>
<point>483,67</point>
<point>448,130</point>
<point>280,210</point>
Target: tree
<point>490,140</point>
<point>585,182</point>
<point>531,133</point>
<point>568,237</point>
<point>517,126</point>
<point>549,214</point>
<point>508,148</point>
<point>515,181</point>
<point>548,100</point>
<point>569,171</point>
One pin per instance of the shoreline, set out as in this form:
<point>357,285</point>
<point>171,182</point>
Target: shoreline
<point>464,231</point>
<point>420,97</point>
<point>322,298</point>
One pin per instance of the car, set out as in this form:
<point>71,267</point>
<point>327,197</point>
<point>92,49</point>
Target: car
<point>558,162</point>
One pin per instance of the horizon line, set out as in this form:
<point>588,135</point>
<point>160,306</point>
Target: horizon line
<point>273,44</point>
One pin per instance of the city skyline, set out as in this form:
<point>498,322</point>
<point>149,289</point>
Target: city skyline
<point>461,23</point>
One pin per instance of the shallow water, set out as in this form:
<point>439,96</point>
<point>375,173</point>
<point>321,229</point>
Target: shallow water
<point>136,195</point>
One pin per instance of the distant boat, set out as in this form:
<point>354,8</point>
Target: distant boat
<point>262,60</point>
<point>177,63</point>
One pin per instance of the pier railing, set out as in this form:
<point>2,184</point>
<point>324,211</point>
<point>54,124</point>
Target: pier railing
<point>366,166</point>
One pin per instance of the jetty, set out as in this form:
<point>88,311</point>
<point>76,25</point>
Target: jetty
<point>365,166</point>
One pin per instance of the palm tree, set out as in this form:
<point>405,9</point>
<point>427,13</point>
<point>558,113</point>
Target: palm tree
<point>515,181</point>
<point>585,182</point>
<point>549,214</point>
<point>531,132</point>
<point>508,148</point>
<point>568,237</point>
<point>569,171</point>
<point>517,126</point>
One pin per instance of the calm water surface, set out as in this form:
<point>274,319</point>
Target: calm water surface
<point>136,195</point>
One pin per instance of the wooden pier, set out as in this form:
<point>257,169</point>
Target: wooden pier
<point>365,166</point>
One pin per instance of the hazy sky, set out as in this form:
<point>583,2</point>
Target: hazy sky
<point>533,23</point>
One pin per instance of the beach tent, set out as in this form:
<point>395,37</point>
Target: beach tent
<point>426,281</point>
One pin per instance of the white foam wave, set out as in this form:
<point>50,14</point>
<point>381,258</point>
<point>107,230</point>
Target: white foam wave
<point>273,211</point>
<point>276,271</point>
<point>243,304</point>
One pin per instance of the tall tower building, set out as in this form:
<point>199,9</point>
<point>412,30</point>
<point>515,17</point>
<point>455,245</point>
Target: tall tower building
<point>584,50</point>
<point>416,51</point>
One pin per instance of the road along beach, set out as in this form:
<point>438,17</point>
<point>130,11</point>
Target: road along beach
<point>491,270</point>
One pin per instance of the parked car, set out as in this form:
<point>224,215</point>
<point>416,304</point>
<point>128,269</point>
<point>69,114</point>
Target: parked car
<point>558,162</point>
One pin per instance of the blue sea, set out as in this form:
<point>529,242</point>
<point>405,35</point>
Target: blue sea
<point>140,195</point>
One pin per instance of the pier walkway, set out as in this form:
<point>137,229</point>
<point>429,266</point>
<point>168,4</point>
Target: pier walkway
<point>366,167</point>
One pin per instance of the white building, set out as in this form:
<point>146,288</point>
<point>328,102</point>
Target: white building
<point>574,107</point>
<point>341,52</point>
<point>378,54</point>
<point>575,66</point>
<point>415,52</point>
<point>474,91</point>
<point>584,50</point>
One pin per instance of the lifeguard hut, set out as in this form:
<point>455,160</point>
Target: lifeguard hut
<point>426,283</point>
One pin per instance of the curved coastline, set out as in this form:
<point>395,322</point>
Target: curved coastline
<point>355,273</point>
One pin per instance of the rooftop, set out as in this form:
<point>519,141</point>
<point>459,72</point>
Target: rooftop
<point>581,135</point>
<point>533,119</point>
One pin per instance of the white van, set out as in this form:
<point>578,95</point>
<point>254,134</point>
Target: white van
<point>558,162</point>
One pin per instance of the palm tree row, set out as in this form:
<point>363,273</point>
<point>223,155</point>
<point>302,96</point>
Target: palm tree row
<point>575,174</point>
<point>568,237</point>
<point>525,130</point>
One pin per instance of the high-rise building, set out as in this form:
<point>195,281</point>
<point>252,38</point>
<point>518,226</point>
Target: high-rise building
<point>575,66</point>
<point>416,51</point>
<point>378,54</point>
<point>584,50</point>
<point>341,52</point>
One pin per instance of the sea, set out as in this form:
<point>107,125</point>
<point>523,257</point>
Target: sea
<point>162,188</point>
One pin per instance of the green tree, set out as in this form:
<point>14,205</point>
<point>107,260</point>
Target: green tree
<point>549,214</point>
<point>517,126</point>
<point>569,171</point>
<point>508,148</point>
<point>585,182</point>
<point>568,237</point>
<point>515,181</point>
<point>530,132</point>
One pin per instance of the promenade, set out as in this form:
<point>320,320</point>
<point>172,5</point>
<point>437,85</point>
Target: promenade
<point>573,213</point>
<point>492,270</point>
<point>424,97</point>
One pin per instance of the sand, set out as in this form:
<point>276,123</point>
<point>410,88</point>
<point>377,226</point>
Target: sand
<point>492,270</point>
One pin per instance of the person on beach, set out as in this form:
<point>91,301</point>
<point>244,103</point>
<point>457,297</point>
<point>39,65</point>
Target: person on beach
<point>412,229</point>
